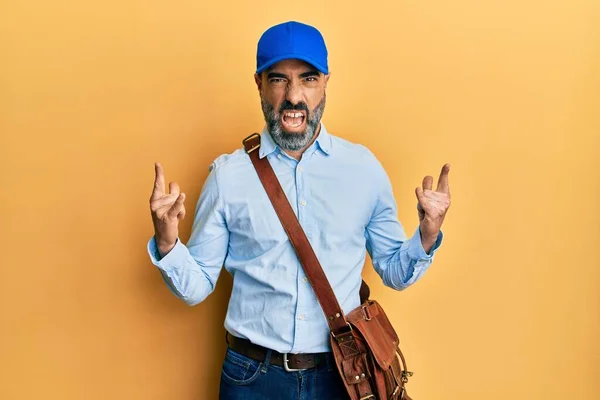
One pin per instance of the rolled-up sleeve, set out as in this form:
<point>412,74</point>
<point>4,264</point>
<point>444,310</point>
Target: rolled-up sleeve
<point>191,271</point>
<point>399,261</point>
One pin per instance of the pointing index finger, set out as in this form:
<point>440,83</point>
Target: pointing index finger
<point>443,185</point>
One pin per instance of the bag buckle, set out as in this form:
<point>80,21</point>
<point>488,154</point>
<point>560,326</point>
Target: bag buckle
<point>367,313</point>
<point>369,396</point>
<point>254,135</point>
<point>286,365</point>
<point>343,332</point>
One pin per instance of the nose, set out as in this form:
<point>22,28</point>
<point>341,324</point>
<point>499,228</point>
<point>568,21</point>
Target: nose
<point>293,93</point>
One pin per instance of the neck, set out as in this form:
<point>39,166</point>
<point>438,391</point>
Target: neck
<point>298,153</point>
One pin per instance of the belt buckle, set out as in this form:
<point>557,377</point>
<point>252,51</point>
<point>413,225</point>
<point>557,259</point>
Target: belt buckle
<point>286,366</point>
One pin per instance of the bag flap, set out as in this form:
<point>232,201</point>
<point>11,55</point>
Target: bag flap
<point>375,327</point>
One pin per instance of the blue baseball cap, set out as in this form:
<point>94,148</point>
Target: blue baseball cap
<point>291,40</point>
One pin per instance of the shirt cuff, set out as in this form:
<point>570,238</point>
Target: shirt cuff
<point>169,260</point>
<point>416,250</point>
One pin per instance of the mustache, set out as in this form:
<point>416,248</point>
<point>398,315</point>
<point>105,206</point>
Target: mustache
<point>287,105</point>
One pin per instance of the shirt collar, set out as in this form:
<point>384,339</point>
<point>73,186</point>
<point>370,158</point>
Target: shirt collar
<point>324,140</point>
<point>268,146</point>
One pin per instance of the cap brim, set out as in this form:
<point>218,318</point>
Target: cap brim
<point>309,60</point>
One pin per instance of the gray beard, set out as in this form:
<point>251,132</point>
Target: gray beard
<point>292,141</point>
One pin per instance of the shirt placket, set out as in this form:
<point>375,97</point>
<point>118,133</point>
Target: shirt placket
<point>304,307</point>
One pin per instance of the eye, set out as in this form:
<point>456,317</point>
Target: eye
<point>311,79</point>
<point>276,80</point>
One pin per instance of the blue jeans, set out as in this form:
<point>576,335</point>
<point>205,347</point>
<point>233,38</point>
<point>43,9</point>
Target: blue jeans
<point>243,378</point>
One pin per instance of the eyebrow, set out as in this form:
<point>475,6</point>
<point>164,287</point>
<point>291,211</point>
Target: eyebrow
<point>276,75</point>
<point>313,72</point>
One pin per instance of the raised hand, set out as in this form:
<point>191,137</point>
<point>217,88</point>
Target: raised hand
<point>166,209</point>
<point>433,206</point>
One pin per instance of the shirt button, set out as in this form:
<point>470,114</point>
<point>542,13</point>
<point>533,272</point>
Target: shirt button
<point>299,169</point>
<point>305,279</point>
<point>279,156</point>
<point>303,202</point>
<point>301,317</point>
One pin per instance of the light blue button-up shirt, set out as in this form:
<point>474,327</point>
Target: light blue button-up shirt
<point>343,199</point>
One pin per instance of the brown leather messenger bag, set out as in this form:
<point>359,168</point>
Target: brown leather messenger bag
<point>364,343</point>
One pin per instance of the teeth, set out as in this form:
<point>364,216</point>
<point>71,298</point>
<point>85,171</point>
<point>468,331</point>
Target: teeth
<point>293,115</point>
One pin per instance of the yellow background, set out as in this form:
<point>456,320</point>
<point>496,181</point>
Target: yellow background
<point>91,94</point>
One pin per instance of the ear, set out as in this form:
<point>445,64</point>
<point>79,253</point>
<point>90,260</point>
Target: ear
<point>258,80</point>
<point>327,78</point>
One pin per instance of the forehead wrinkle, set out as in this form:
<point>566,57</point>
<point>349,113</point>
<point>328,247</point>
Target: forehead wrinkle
<point>295,64</point>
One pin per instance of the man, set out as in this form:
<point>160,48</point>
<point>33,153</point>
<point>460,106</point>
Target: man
<point>344,202</point>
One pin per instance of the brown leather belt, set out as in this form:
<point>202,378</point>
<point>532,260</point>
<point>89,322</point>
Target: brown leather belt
<point>290,362</point>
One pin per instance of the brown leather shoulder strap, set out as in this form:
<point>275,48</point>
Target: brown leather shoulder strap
<point>306,255</point>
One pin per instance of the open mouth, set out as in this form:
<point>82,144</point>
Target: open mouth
<point>293,120</point>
